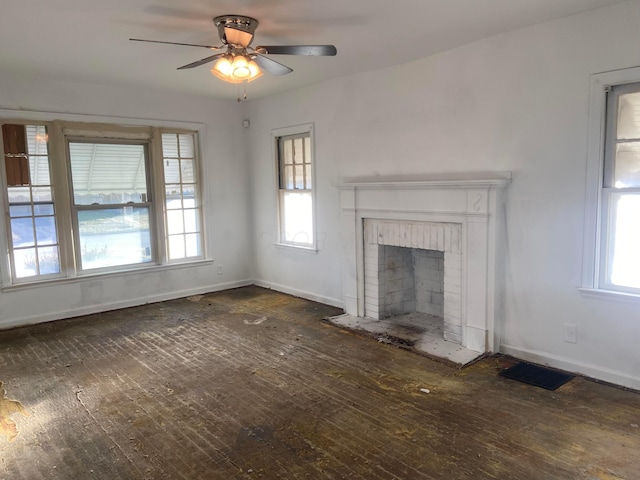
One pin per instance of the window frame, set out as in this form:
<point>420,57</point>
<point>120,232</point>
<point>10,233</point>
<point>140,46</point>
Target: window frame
<point>597,199</point>
<point>7,243</point>
<point>62,127</point>
<point>151,203</point>
<point>198,201</point>
<point>307,131</point>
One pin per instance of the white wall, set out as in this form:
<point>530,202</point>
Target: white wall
<point>227,206</point>
<point>517,102</point>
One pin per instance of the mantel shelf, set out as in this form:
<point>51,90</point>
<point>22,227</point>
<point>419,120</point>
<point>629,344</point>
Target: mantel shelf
<point>449,180</point>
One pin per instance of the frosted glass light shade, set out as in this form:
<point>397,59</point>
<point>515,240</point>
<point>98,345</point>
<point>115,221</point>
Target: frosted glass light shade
<point>236,69</point>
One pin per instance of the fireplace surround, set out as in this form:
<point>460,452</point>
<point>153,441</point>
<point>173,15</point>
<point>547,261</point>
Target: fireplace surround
<point>457,218</point>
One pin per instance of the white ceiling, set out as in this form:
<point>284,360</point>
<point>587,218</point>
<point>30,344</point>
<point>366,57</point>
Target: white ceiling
<point>87,40</point>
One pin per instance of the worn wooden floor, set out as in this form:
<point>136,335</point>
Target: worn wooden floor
<point>250,383</point>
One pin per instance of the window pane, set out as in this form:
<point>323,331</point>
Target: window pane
<point>20,210</point>
<point>189,196</point>
<point>22,232</point>
<point>19,195</point>
<point>169,145</point>
<point>116,236</point>
<point>186,146</point>
<point>299,177</point>
<point>37,140</point>
<point>298,217</point>
<point>298,151</point>
<point>171,171</point>
<point>39,167</point>
<point>191,220</point>
<point>175,223</point>
<point>42,194</point>
<point>627,165</point>
<point>187,171</point>
<point>172,194</point>
<point>176,247</point>
<point>287,152</point>
<point>46,230</point>
<point>287,178</point>
<point>307,150</point>
<point>108,173</point>
<point>629,116</point>
<point>25,262</point>
<point>307,174</point>
<point>192,242</point>
<point>624,239</point>
<point>48,260</point>
<point>43,209</point>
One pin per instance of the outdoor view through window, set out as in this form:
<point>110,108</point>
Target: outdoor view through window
<point>621,193</point>
<point>115,217</point>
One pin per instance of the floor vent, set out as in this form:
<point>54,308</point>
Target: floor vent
<point>536,375</point>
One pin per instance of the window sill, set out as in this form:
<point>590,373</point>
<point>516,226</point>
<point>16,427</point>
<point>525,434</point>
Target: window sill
<point>610,295</point>
<point>298,248</point>
<point>92,276</point>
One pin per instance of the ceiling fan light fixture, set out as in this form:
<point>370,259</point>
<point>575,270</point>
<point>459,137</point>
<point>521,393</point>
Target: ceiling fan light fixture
<point>236,69</point>
<point>240,67</point>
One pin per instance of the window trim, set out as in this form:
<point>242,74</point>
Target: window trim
<point>276,134</point>
<point>101,127</point>
<point>595,224</point>
<point>151,203</point>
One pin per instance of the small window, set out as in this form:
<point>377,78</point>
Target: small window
<point>620,199</point>
<point>295,189</point>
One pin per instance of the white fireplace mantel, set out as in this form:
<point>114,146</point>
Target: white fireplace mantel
<point>472,200</point>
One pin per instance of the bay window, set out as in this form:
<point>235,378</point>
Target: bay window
<point>87,199</point>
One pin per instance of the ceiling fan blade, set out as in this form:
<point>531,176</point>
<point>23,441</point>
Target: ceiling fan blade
<point>202,62</point>
<point>315,50</point>
<point>271,66</point>
<point>210,47</point>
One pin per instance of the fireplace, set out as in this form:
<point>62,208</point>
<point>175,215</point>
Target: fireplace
<point>427,245</point>
<point>414,266</point>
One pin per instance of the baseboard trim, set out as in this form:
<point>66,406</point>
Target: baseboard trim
<point>300,293</point>
<point>563,363</point>
<point>105,307</point>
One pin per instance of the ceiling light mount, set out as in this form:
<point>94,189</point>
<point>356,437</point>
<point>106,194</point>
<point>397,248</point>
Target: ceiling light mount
<point>236,30</point>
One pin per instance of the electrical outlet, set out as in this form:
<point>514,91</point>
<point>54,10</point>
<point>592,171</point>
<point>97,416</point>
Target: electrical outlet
<point>220,270</point>
<point>570,333</point>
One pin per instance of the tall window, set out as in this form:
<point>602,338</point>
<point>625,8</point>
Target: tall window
<point>103,203</point>
<point>295,187</point>
<point>182,208</point>
<point>620,201</point>
<point>33,237</point>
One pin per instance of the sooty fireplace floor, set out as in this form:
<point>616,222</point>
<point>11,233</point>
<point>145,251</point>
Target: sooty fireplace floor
<point>418,332</point>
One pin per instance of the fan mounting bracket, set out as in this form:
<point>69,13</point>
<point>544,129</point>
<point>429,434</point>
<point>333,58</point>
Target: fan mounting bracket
<point>237,22</point>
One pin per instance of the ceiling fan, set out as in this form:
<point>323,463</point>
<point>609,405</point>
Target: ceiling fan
<point>240,62</point>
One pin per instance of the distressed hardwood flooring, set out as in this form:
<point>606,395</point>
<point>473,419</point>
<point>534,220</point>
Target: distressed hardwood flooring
<point>249,383</point>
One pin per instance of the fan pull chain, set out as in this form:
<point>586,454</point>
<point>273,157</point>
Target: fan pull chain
<point>244,92</point>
